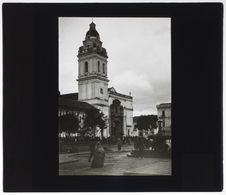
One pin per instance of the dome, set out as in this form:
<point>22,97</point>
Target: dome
<point>92,32</point>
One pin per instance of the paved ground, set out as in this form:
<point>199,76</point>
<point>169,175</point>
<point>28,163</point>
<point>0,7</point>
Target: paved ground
<point>116,163</point>
<point>68,157</point>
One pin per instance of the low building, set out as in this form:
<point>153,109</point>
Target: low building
<point>164,118</point>
<point>68,105</point>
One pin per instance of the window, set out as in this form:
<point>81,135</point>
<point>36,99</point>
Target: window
<point>103,68</point>
<point>163,113</point>
<point>101,91</point>
<point>98,64</point>
<point>86,66</point>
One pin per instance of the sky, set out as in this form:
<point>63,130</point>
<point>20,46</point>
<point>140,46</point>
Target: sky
<point>139,57</point>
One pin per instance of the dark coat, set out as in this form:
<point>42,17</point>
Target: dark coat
<point>98,160</point>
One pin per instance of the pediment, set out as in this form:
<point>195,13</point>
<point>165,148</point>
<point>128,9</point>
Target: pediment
<point>112,89</point>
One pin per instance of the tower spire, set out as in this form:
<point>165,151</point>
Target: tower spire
<point>92,43</point>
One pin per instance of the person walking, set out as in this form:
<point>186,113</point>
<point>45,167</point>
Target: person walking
<point>92,147</point>
<point>141,147</point>
<point>99,156</point>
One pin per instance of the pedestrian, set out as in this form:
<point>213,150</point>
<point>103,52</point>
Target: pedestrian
<point>129,141</point>
<point>140,147</point>
<point>92,147</point>
<point>135,143</point>
<point>99,155</point>
<point>119,143</point>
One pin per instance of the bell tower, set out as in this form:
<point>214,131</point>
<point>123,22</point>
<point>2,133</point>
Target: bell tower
<point>92,70</point>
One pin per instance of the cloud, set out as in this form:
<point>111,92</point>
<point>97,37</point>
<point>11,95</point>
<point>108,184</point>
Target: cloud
<point>131,81</point>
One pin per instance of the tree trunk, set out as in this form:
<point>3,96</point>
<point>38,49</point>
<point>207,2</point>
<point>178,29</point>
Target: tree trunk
<point>102,133</point>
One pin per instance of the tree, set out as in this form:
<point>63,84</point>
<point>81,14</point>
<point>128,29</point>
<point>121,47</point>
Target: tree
<point>159,143</point>
<point>94,118</point>
<point>68,123</point>
<point>147,122</point>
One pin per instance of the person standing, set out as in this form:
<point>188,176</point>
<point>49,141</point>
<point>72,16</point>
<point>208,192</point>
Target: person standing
<point>99,156</point>
<point>119,143</point>
<point>92,147</point>
<point>141,147</point>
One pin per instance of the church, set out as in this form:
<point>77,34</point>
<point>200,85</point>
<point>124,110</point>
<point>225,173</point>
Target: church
<point>93,89</point>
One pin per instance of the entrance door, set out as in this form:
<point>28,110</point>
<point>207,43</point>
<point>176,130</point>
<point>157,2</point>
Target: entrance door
<point>118,129</point>
<point>116,117</point>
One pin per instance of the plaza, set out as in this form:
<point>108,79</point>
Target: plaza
<point>116,163</point>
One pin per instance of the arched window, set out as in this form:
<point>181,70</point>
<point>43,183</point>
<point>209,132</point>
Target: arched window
<point>98,64</point>
<point>86,67</point>
<point>163,113</point>
<point>103,68</point>
<point>101,91</point>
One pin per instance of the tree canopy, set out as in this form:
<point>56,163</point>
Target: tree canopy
<point>94,119</point>
<point>68,123</point>
<point>147,122</point>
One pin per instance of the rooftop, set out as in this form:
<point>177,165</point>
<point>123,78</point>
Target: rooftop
<point>112,91</point>
<point>164,105</point>
<point>71,96</point>
<point>74,104</point>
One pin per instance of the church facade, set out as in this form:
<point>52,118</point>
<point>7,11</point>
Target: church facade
<point>93,87</point>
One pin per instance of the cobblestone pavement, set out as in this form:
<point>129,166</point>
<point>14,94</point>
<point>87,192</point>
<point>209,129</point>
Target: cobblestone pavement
<point>117,163</point>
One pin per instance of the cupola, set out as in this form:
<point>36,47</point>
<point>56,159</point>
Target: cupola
<point>92,32</point>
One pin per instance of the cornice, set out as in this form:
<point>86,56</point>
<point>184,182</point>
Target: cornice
<point>92,76</point>
<point>91,55</point>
